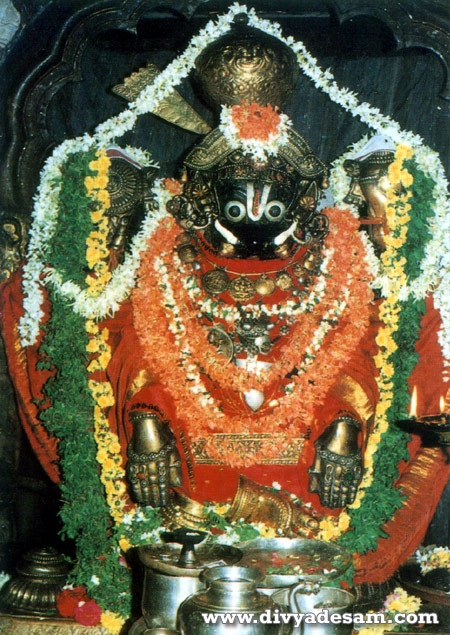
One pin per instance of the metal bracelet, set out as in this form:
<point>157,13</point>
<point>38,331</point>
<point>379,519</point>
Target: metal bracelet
<point>143,410</point>
<point>163,452</point>
<point>349,419</point>
<point>349,461</point>
<point>140,415</point>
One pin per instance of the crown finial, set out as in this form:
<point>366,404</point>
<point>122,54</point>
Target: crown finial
<point>247,65</point>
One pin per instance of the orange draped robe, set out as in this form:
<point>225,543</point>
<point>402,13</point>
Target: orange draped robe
<point>423,478</point>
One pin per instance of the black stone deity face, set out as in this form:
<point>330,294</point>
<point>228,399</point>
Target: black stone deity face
<point>245,209</point>
<point>254,216</point>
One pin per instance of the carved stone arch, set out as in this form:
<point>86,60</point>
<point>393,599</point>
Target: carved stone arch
<point>413,24</point>
<point>29,136</point>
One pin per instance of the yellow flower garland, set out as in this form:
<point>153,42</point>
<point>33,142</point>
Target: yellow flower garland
<point>112,473</point>
<point>108,454</point>
<point>397,218</point>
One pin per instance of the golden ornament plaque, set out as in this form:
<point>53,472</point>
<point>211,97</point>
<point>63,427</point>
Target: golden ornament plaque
<point>215,281</point>
<point>242,288</point>
<point>187,253</point>
<point>298,269</point>
<point>284,280</point>
<point>264,285</point>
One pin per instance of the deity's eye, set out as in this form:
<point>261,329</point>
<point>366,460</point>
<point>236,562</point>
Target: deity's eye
<point>235,211</point>
<point>275,210</point>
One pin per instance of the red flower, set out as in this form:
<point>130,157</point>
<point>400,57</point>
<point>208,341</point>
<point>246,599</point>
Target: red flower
<point>88,613</point>
<point>68,600</point>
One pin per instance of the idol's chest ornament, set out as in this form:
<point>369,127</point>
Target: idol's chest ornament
<point>257,327</point>
<point>266,354</point>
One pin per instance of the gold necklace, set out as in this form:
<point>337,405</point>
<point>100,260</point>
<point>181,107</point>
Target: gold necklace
<point>243,287</point>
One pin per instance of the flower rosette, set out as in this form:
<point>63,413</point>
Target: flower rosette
<point>255,129</point>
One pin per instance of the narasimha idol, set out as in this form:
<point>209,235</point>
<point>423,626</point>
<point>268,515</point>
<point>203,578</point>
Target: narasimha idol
<point>251,349</point>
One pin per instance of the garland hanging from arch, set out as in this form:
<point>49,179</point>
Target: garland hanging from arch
<point>404,276</point>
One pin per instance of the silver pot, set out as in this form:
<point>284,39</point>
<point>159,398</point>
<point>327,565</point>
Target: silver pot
<point>325,602</point>
<point>229,590</point>
<point>172,574</point>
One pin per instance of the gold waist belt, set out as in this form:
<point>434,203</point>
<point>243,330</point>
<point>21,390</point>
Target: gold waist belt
<point>244,444</point>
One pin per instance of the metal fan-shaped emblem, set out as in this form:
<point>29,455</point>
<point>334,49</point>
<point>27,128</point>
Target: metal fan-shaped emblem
<point>125,187</point>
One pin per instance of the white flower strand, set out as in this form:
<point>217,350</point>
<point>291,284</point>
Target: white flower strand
<point>178,329</point>
<point>229,313</point>
<point>45,211</point>
<point>325,81</point>
<point>435,265</point>
<point>124,275</point>
<point>436,273</point>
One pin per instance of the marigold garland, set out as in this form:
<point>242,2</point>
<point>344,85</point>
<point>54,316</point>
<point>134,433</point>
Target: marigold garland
<point>377,499</point>
<point>108,454</point>
<point>392,262</point>
<point>71,412</point>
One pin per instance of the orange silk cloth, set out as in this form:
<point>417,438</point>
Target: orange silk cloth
<point>135,387</point>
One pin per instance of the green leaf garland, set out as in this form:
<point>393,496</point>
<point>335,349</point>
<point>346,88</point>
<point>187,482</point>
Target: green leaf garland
<point>69,415</point>
<point>382,499</point>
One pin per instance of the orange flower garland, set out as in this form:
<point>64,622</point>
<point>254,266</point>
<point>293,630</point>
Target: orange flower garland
<point>254,121</point>
<point>162,329</point>
<point>342,261</point>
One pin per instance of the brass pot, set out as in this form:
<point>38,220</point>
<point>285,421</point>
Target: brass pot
<point>38,580</point>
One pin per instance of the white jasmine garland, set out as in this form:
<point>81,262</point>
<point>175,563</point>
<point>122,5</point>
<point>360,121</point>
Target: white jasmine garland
<point>122,280</point>
<point>45,211</point>
<point>436,263</point>
<point>230,313</point>
<point>178,329</point>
